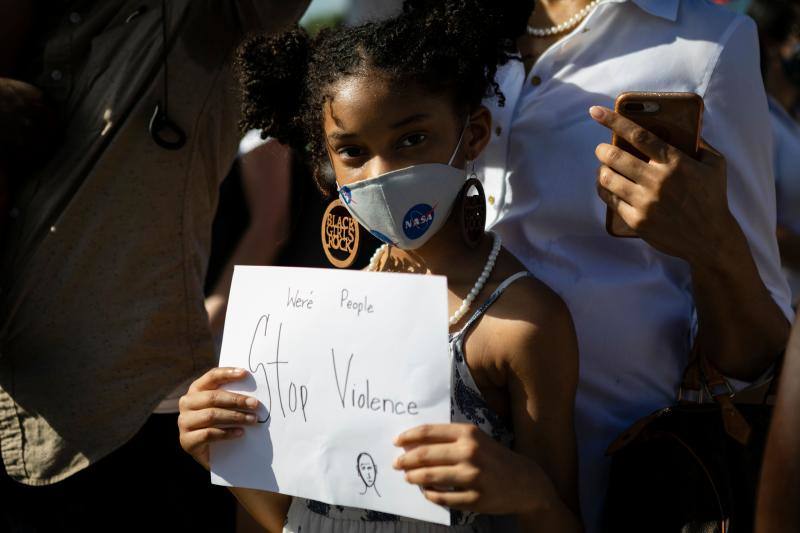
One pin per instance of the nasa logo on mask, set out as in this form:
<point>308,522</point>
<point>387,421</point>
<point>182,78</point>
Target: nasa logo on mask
<point>417,221</point>
<point>346,195</point>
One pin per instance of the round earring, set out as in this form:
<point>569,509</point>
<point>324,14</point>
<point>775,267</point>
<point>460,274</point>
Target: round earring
<point>340,235</point>
<point>472,213</point>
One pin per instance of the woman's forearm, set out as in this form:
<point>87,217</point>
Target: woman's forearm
<point>741,328</point>
<point>779,490</point>
<point>269,509</point>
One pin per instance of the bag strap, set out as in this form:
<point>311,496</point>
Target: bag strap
<point>703,377</point>
<point>772,391</point>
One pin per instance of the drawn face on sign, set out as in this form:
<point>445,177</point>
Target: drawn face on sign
<point>367,469</point>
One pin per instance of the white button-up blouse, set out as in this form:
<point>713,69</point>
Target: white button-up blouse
<point>631,304</point>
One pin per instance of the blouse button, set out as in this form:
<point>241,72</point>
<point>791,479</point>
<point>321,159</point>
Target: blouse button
<point>56,75</point>
<point>491,199</point>
<point>75,18</point>
<point>536,81</point>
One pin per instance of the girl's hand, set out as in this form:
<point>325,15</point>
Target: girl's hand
<point>459,466</point>
<point>208,414</point>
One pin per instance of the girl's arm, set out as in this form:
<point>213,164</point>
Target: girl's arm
<point>542,381</point>
<point>460,466</point>
<point>267,508</point>
<point>209,414</point>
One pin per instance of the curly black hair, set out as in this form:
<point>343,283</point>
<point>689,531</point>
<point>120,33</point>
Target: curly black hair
<point>451,47</point>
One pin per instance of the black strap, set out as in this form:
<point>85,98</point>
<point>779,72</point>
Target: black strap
<point>160,123</point>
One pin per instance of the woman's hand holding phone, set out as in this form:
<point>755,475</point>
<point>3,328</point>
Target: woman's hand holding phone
<point>676,203</point>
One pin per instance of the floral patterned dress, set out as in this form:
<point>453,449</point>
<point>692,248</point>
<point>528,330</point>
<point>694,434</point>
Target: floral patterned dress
<point>467,406</point>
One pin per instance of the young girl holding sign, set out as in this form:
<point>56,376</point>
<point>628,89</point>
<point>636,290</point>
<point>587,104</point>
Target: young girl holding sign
<point>395,109</point>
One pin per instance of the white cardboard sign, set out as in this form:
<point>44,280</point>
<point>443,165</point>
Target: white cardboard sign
<point>342,362</point>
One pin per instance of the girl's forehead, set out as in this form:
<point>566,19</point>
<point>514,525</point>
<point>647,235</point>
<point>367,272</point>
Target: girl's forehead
<point>369,89</point>
<point>358,101</point>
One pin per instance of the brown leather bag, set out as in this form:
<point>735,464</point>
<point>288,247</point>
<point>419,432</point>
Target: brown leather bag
<point>694,466</point>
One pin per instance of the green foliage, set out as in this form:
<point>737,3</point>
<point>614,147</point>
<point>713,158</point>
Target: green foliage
<point>314,25</point>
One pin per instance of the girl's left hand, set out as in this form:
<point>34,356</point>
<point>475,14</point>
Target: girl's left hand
<point>459,466</point>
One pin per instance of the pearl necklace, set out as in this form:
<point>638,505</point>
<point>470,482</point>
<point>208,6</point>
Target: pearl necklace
<point>476,289</point>
<point>564,26</point>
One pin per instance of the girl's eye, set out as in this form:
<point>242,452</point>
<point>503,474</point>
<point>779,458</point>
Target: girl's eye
<point>350,152</point>
<point>413,140</point>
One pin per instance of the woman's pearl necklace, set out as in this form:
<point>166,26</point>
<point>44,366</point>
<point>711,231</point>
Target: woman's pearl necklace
<point>476,289</point>
<point>564,26</point>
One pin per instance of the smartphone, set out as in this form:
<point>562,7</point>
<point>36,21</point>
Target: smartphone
<point>676,118</point>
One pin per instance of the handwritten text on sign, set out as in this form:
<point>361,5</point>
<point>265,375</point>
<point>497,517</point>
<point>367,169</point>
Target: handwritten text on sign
<point>342,362</point>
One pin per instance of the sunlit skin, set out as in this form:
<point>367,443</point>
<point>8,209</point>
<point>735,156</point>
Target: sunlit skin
<point>522,353</point>
<point>679,207</point>
<point>371,129</point>
<point>525,366</point>
<point>779,487</point>
<point>547,13</point>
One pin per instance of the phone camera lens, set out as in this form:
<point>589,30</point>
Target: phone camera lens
<point>634,107</point>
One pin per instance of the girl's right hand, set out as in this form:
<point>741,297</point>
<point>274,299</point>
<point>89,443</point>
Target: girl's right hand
<point>208,414</point>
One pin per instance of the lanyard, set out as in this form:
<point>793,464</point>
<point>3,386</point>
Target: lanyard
<point>163,130</point>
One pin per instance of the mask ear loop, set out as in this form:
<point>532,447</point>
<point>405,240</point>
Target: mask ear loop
<point>460,138</point>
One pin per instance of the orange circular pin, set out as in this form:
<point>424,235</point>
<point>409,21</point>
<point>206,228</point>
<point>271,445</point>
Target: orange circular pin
<point>340,235</point>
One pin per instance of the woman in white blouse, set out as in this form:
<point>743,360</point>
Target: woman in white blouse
<point>706,270</point>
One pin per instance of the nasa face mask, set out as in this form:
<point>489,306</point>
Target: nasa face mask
<point>406,207</point>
